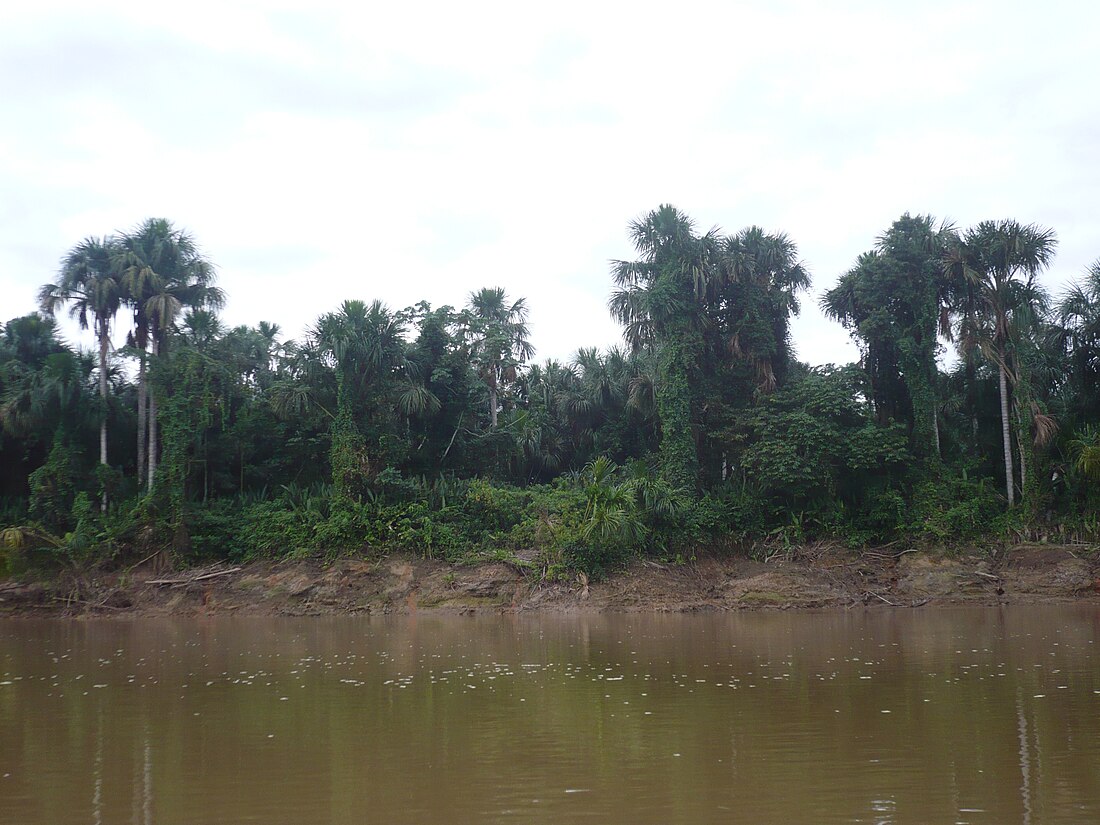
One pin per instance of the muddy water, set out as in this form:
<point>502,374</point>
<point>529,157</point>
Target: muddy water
<point>976,715</point>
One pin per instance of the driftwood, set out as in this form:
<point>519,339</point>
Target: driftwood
<point>68,601</point>
<point>921,603</point>
<point>194,578</point>
<point>882,598</point>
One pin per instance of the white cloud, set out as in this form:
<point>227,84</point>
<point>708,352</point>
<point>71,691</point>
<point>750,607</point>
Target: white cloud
<point>412,152</point>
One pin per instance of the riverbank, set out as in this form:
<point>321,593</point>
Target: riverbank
<point>814,578</point>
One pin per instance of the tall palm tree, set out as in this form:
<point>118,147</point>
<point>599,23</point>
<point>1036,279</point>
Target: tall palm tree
<point>658,299</point>
<point>497,334</point>
<point>163,270</point>
<point>90,282</point>
<point>1002,260</point>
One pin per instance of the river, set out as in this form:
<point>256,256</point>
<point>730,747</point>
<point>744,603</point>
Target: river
<point>968,715</point>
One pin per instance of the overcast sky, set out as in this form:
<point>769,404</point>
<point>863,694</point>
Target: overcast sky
<point>418,151</point>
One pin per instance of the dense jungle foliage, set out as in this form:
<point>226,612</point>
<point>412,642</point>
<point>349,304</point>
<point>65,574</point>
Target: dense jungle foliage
<point>429,429</point>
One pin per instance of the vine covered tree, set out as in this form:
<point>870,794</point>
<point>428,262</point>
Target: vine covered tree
<point>895,302</point>
<point>364,344</point>
<point>658,301</point>
<point>710,308</point>
<point>162,271</point>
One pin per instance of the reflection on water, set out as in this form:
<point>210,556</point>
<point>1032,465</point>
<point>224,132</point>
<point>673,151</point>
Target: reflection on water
<point>969,715</point>
<point>1025,760</point>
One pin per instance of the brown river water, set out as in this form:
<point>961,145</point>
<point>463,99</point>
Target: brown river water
<point>983,715</point>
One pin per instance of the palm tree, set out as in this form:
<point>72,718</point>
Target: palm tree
<point>1085,449</point>
<point>1002,260</point>
<point>29,339</point>
<point>497,335</point>
<point>163,270</point>
<point>365,346</point>
<point>90,283</point>
<point>544,444</point>
<point>755,298</point>
<point>364,343</point>
<point>201,328</point>
<point>857,302</point>
<point>657,299</point>
<point>656,293</point>
<point>895,302</point>
<point>34,379</point>
<point>1077,337</point>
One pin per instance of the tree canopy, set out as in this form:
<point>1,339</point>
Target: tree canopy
<point>432,428</point>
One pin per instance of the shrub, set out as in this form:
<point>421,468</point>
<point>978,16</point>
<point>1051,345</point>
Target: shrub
<point>271,528</point>
<point>955,508</point>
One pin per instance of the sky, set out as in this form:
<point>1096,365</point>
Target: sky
<point>419,151</point>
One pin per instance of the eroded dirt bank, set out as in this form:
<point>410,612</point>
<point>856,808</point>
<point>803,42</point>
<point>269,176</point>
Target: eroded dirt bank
<point>814,578</point>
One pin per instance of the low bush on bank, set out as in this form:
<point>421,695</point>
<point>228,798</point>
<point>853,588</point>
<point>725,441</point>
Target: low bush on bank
<point>589,522</point>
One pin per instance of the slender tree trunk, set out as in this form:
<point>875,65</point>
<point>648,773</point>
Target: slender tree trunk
<point>143,402</point>
<point>1006,437</point>
<point>103,341</point>
<point>972,398</point>
<point>492,408</point>
<point>1023,467</point>
<point>936,432</point>
<point>152,427</point>
<point>1025,443</point>
<point>1022,435</point>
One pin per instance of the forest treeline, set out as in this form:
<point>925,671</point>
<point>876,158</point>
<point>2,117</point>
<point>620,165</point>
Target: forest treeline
<point>429,429</point>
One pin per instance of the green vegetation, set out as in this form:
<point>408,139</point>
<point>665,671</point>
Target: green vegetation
<point>428,429</point>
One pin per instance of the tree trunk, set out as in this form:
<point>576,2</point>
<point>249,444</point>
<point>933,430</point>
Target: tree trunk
<point>103,342</point>
<point>1006,437</point>
<point>679,460</point>
<point>152,428</point>
<point>492,408</point>
<point>972,397</point>
<point>936,432</point>
<point>1023,435</point>
<point>1023,468</point>
<point>143,401</point>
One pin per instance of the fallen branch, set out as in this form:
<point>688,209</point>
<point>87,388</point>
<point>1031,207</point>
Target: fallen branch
<point>151,556</point>
<point>883,598</point>
<point>193,579</point>
<point>881,547</point>
<point>67,601</point>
